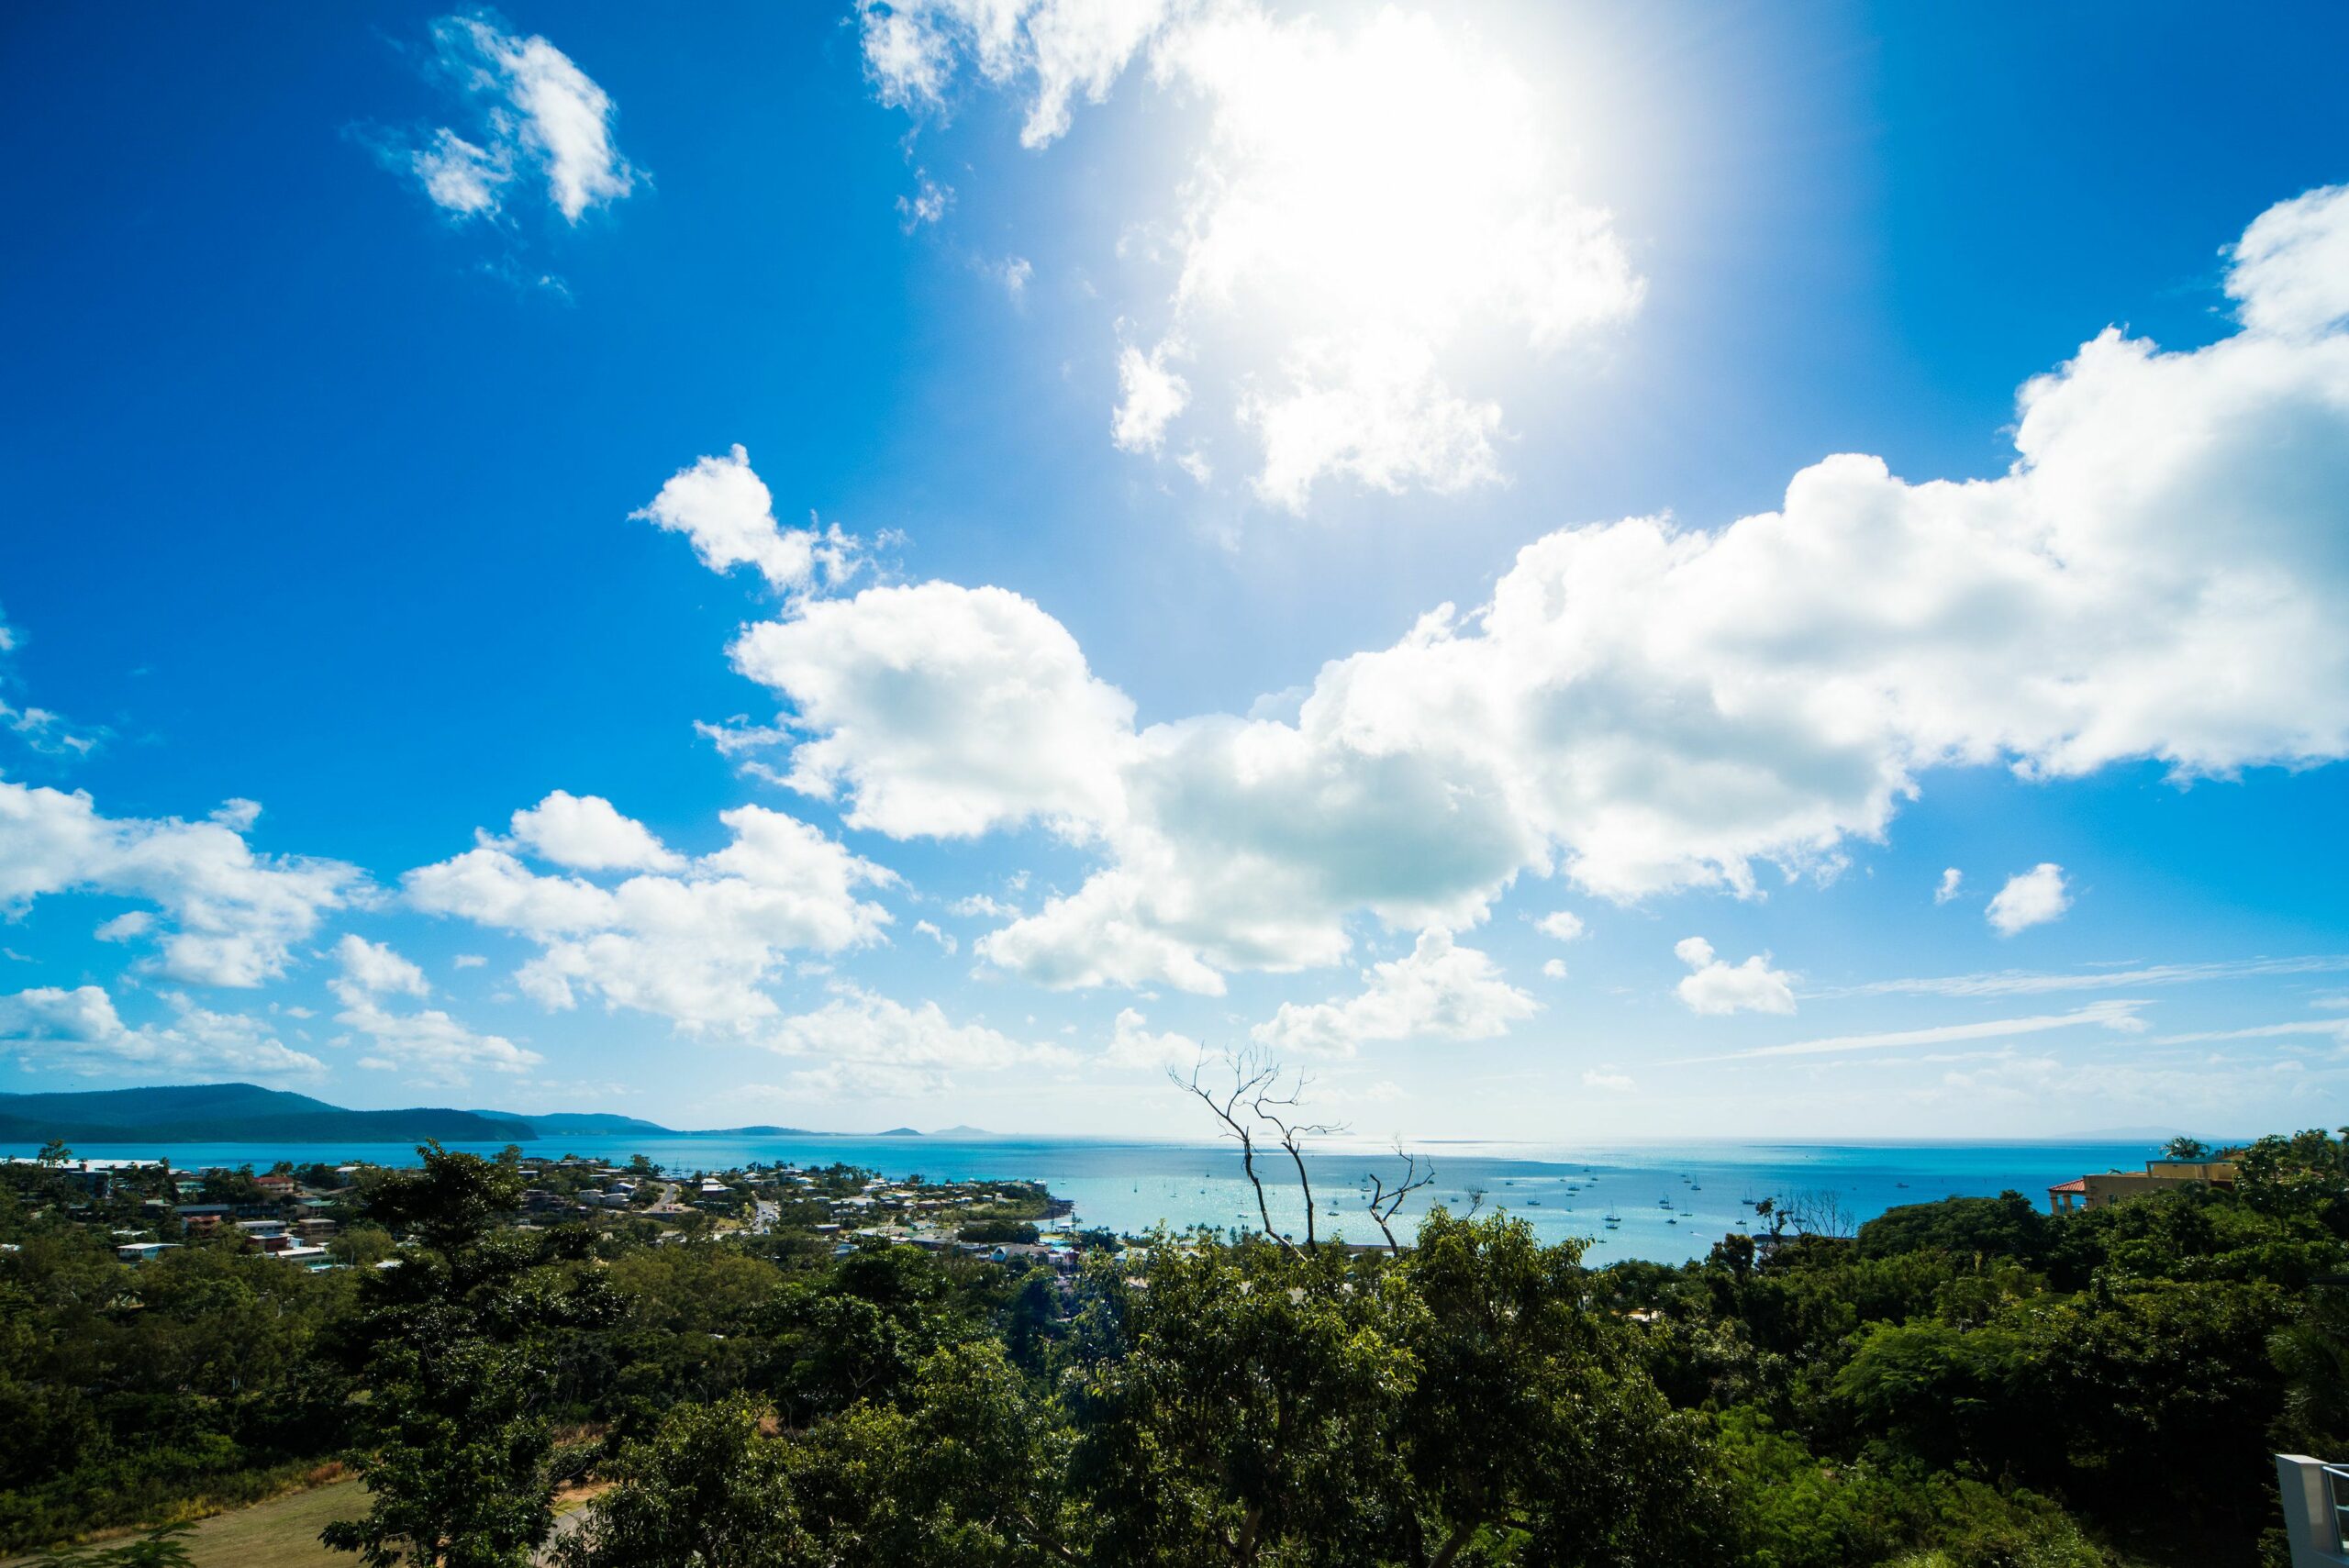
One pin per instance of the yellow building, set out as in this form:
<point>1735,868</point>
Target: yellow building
<point>2095,1191</point>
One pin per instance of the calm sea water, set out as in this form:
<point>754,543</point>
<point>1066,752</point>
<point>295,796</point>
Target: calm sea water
<point>1672,1200</point>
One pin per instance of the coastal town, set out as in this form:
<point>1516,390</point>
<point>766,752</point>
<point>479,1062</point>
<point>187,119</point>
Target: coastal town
<point>307,1217</point>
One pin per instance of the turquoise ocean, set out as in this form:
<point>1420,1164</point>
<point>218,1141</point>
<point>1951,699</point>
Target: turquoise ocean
<point>1671,1201</point>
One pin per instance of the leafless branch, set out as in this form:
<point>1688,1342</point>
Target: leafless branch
<point>1386,1201</point>
<point>1249,1076</point>
<point>1260,1097</point>
<point>1274,1108</point>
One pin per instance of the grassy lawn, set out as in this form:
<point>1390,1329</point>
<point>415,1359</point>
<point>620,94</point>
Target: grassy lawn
<point>280,1533</point>
<point>284,1531</point>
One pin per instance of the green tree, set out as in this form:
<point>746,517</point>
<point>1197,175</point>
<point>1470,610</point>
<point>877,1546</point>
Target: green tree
<point>454,1345</point>
<point>708,1490</point>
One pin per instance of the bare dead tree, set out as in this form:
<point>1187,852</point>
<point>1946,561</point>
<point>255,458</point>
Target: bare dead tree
<point>1821,1211</point>
<point>1235,1106</point>
<point>1273,1106</point>
<point>1386,1201</point>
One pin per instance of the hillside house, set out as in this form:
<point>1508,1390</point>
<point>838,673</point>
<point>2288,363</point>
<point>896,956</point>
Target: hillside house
<point>2098,1189</point>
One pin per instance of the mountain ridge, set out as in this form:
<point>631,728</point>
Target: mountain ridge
<point>235,1113</point>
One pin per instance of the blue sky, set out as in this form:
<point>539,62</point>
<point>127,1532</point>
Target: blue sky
<point>371,414</point>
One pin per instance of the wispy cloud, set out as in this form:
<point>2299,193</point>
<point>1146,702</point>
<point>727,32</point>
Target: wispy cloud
<point>2030,982</point>
<point>2116,1015</point>
<point>2337,1028</point>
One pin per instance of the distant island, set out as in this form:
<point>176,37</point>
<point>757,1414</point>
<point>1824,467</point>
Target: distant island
<point>247,1113</point>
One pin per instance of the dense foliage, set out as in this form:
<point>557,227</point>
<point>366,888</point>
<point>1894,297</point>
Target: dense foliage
<point>1971,1383</point>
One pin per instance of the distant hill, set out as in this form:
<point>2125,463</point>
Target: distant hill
<point>586,1124</point>
<point>964,1130</point>
<point>236,1113</point>
<point>762,1130</point>
<point>900,1132</point>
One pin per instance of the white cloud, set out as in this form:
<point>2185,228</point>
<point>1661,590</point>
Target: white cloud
<point>1149,397</point>
<point>945,940</point>
<point>537,112</point>
<point>1013,273</point>
<point>982,905</point>
<point>928,204</point>
<point>1368,208</point>
<point>372,969</point>
<point>461,178</point>
<point>587,833</point>
<point>869,1044</point>
<point>944,710</point>
<point>2030,898</point>
<point>42,730</point>
<point>49,1029</point>
<point>236,814</point>
<point>128,926</point>
<point>468,960</point>
<point>1719,987</point>
<point>1437,990</point>
<point>724,509</point>
<point>233,916</point>
<point>2290,271</point>
<point>1641,707</point>
<point>1606,1077</point>
<point>427,1046</point>
<point>1132,1044</point>
<point>696,947</point>
<point>2112,1090</point>
<point>1951,879</point>
<point>1564,925</point>
<point>1057,48</point>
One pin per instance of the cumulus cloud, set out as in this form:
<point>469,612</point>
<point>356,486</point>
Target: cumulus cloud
<point>1951,880</point>
<point>1150,396</point>
<point>587,833</point>
<point>1715,987</point>
<point>372,969</point>
<point>1368,208</point>
<point>696,946</point>
<point>945,940</point>
<point>724,509</point>
<point>1437,990</point>
<point>230,916</point>
<point>1553,969</point>
<point>1642,707</point>
<point>1564,925</point>
<point>537,116</point>
<point>1133,1044</point>
<point>2030,898</point>
<point>424,1045</point>
<point>868,1044</point>
<point>49,1029</point>
<point>427,1046</point>
<point>1055,50</point>
<point>2290,271</point>
<point>944,711</point>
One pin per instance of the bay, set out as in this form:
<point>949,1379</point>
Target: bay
<point>1672,1200</point>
